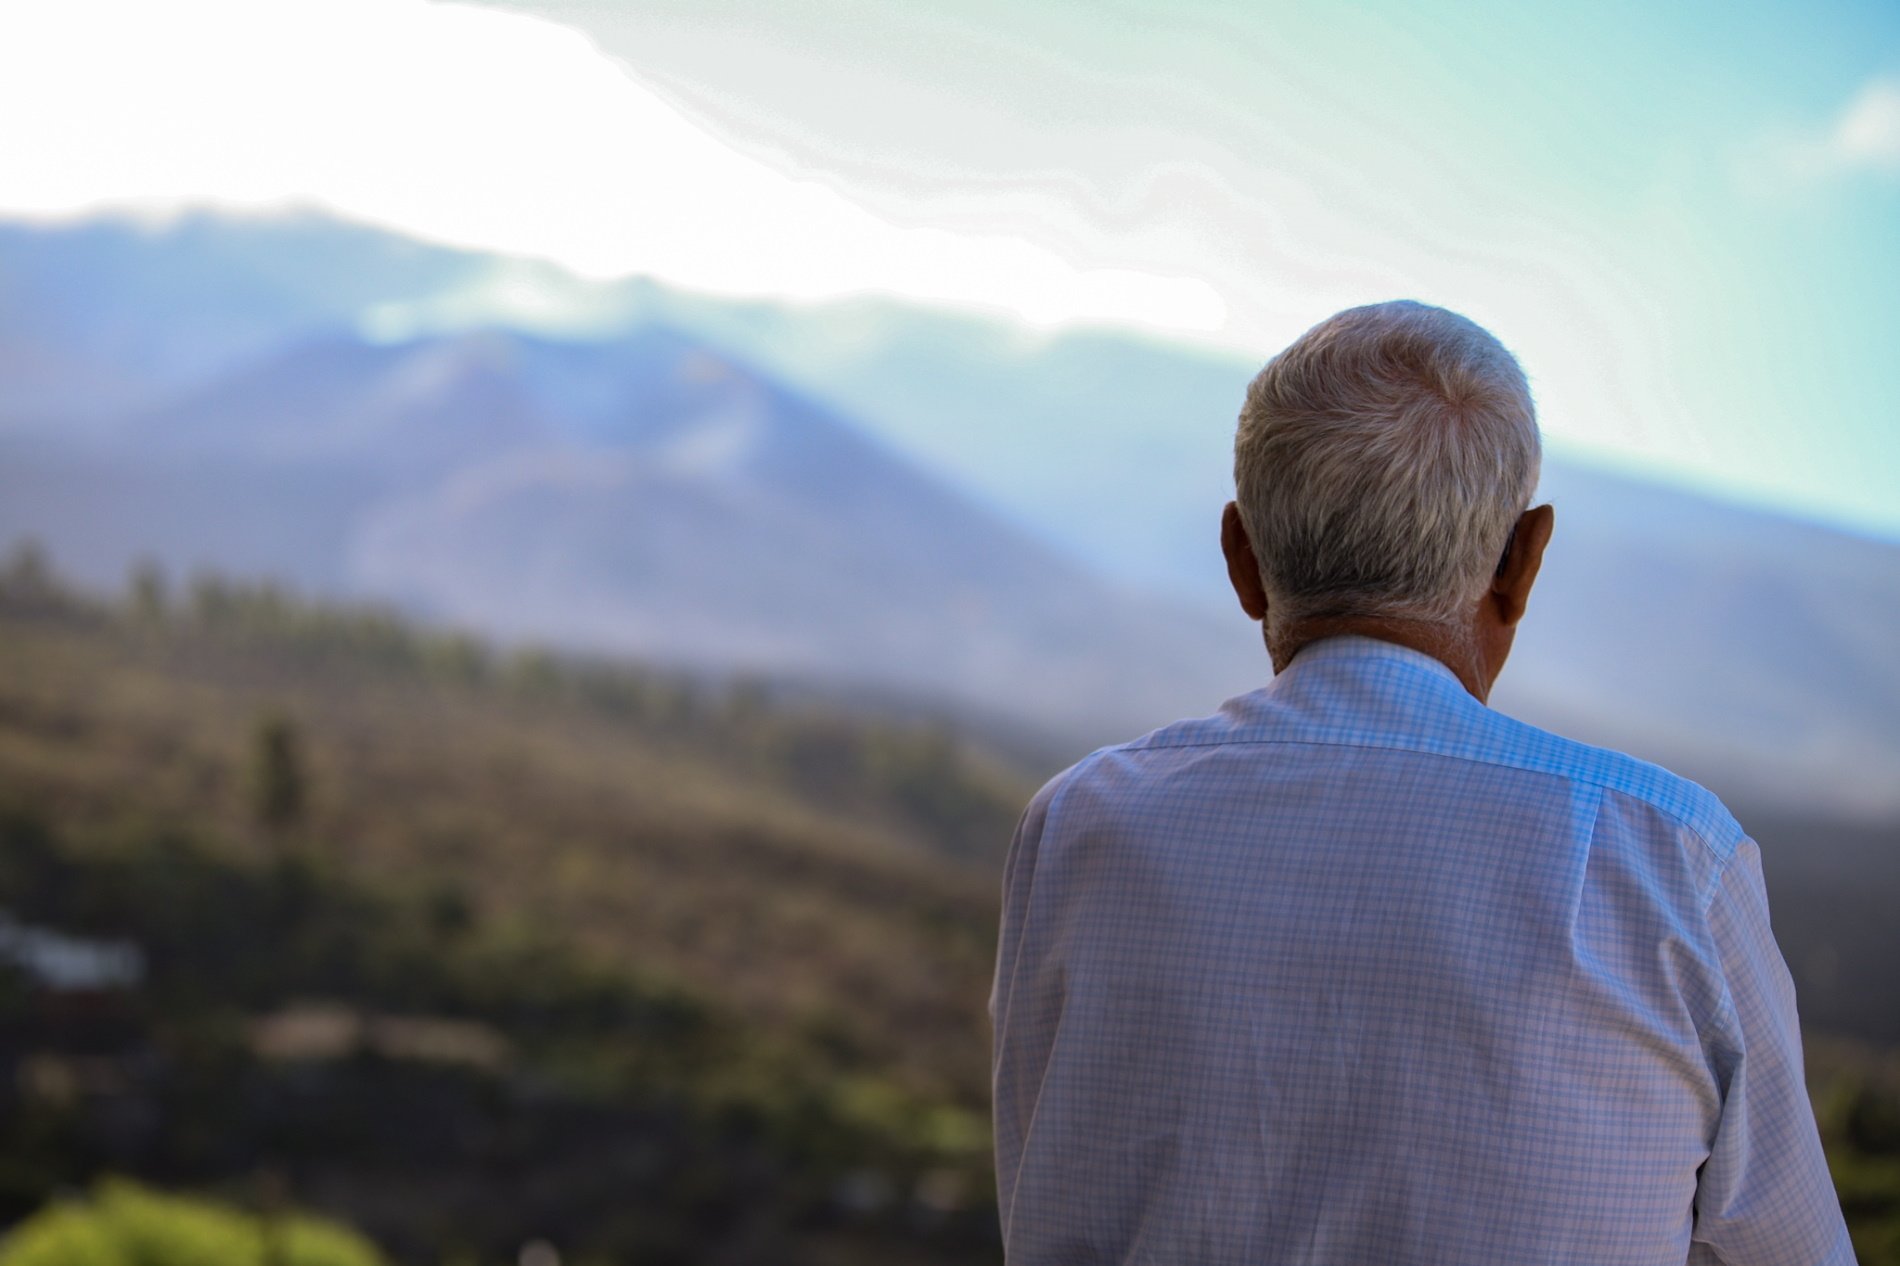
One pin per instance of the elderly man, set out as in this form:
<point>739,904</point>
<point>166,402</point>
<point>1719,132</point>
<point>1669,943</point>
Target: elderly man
<point>1359,971</point>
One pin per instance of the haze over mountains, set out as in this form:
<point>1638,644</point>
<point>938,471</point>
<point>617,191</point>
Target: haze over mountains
<point>860,493</point>
<point>646,493</point>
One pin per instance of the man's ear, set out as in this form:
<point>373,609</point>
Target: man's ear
<point>1517,570</point>
<point>1243,569</point>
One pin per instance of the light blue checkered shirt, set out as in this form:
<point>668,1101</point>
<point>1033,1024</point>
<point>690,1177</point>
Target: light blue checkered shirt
<point>1359,971</point>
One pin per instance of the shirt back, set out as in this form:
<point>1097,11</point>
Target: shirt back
<point>1359,970</point>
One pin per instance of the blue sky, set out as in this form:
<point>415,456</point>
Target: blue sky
<point>1685,218</point>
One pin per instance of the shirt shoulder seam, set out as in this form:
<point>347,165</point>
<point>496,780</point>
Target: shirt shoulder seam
<point>1578,776</point>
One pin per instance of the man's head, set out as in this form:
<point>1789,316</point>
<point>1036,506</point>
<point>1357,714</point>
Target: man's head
<point>1382,463</point>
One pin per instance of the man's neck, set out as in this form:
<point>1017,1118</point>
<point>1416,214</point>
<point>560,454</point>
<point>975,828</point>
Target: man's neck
<point>1454,647</point>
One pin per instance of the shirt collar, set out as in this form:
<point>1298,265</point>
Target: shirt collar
<point>1354,646</point>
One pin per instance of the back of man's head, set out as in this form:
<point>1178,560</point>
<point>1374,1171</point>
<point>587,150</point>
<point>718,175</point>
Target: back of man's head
<point>1380,463</point>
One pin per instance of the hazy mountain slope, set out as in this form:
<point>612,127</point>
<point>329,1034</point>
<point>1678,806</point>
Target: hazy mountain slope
<point>1751,651</point>
<point>265,471</point>
<point>646,494</point>
<point>1097,440</point>
<point>99,513</point>
<point>730,522</point>
<point>1755,653</point>
<point>107,316</point>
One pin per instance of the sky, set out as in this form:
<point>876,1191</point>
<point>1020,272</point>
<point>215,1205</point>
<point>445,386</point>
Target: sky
<point>1684,218</point>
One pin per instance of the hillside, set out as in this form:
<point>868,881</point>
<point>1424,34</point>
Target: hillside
<point>589,917</point>
<point>746,911</point>
<point>784,856</point>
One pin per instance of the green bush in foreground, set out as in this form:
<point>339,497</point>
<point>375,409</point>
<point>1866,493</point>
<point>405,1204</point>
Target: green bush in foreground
<point>126,1225</point>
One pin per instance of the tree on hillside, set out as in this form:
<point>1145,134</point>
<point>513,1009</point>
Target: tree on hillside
<point>278,791</point>
<point>28,574</point>
<point>151,598</point>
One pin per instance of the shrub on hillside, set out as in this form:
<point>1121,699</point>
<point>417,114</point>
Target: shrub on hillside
<point>127,1225</point>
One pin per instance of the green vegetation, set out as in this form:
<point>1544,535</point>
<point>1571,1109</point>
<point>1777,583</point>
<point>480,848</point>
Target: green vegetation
<point>471,948</point>
<point>1857,1102</point>
<point>277,776</point>
<point>125,1225</point>
<point>294,1021</point>
<point>807,865</point>
<point>474,949</point>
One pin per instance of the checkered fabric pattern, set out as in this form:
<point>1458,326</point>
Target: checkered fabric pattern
<point>1359,971</point>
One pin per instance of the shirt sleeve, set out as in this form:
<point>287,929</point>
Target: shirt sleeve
<point>1764,1196</point>
<point>1013,1087</point>
<point>1018,872</point>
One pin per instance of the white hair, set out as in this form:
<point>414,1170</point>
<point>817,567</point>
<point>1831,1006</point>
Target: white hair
<point>1381,463</point>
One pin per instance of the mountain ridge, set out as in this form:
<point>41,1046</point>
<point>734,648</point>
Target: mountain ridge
<point>648,495</point>
<point>1752,653</point>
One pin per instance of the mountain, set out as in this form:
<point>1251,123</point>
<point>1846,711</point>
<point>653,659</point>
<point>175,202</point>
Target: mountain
<point>1755,653</point>
<point>770,486</point>
<point>697,511</point>
<point>1751,651</point>
<point>1112,446</point>
<point>107,316</point>
<point>646,494</point>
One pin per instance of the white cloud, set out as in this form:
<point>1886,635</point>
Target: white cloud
<point>483,128</point>
<point>1868,132</point>
<point>1864,136</point>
